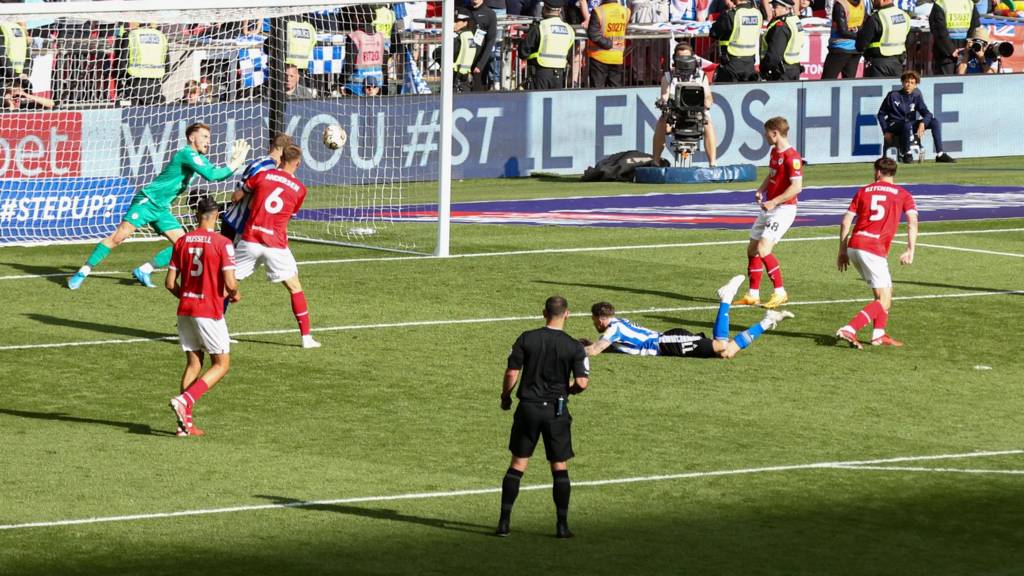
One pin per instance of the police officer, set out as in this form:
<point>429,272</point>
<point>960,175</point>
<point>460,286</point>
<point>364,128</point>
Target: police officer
<point>147,61</point>
<point>883,40</point>
<point>738,31</point>
<point>781,44</point>
<point>843,57</point>
<point>545,358</point>
<point>301,41</point>
<point>465,50</point>
<point>606,44</point>
<point>14,55</point>
<point>950,22</point>
<point>546,48</point>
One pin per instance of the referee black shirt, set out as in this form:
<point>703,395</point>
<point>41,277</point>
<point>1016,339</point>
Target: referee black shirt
<point>547,358</point>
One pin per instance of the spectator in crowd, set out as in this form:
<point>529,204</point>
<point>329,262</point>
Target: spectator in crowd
<point>883,40</point>
<point>18,97</point>
<point>781,44</point>
<point>976,58</point>
<point>843,57</point>
<point>371,86</point>
<point>14,60</point>
<point>486,34</point>
<point>647,56</point>
<point>465,50</point>
<point>606,44</point>
<point>738,32</point>
<point>364,56</point>
<point>546,49</point>
<point>146,64</point>
<point>293,88</point>
<point>950,22</point>
<point>904,117</point>
<point>194,93</point>
<point>500,9</point>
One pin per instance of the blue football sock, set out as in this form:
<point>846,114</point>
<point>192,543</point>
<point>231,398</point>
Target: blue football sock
<point>721,330</point>
<point>747,337</point>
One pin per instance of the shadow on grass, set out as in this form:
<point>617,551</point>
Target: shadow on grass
<point>55,274</point>
<point>954,286</point>
<point>380,514</point>
<point>735,329</point>
<point>131,427</point>
<point>631,290</point>
<point>99,327</point>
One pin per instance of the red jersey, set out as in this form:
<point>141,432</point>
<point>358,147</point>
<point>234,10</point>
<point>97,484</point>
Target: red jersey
<point>200,257</point>
<point>878,207</point>
<point>276,197</point>
<point>785,166</point>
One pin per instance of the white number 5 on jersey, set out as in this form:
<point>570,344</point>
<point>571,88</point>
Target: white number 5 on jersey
<point>877,209</point>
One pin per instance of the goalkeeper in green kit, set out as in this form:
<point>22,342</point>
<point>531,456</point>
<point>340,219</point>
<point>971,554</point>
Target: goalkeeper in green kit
<point>152,204</point>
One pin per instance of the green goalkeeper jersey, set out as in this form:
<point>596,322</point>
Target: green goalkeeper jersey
<point>174,178</point>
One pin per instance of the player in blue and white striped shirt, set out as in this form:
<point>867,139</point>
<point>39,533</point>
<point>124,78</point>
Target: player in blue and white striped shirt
<point>621,335</point>
<point>232,218</point>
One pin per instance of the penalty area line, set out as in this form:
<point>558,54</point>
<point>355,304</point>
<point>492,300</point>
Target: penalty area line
<point>849,465</point>
<point>939,470</point>
<point>453,322</point>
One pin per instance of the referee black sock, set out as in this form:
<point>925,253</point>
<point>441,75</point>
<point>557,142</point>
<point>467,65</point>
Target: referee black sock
<point>560,494</point>
<point>509,492</point>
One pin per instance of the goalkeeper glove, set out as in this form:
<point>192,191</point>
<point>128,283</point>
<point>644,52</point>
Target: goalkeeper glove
<point>238,153</point>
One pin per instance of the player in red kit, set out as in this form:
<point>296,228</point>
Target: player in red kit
<point>877,208</point>
<point>204,262</point>
<point>777,197</point>
<point>276,196</point>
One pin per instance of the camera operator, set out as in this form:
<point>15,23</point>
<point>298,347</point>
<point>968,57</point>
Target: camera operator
<point>982,57</point>
<point>685,68</point>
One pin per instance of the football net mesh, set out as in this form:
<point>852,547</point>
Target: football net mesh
<point>103,98</point>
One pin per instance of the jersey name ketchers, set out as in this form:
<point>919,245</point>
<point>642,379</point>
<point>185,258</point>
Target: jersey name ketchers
<point>628,338</point>
<point>784,167</point>
<point>276,197</point>
<point>200,257</point>
<point>238,212</point>
<point>878,208</point>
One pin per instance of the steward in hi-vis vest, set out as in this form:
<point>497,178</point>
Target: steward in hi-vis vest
<point>738,32</point>
<point>465,50</point>
<point>364,57</point>
<point>843,57</point>
<point>14,55</point>
<point>950,22</point>
<point>883,39</point>
<point>145,65</point>
<point>781,44</point>
<point>546,48</point>
<point>606,44</point>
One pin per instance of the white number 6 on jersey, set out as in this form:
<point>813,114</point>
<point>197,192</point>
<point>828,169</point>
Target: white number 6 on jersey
<point>273,204</point>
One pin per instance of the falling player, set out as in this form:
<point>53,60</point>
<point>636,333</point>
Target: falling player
<point>621,335</point>
<point>200,273</point>
<point>276,196</point>
<point>152,204</point>
<point>777,198</point>
<point>232,220</point>
<point>877,208</point>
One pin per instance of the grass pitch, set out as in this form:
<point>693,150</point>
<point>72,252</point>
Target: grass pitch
<point>382,452</point>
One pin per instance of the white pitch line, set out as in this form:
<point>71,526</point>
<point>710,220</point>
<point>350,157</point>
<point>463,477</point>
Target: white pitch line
<point>545,251</point>
<point>960,249</point>
<point>919,469</point>
<point>478,491</point>
<point>421,323</point>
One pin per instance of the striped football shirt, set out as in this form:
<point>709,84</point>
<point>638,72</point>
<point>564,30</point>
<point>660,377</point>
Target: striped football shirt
<point>238,212</point>
<point>630,338</point>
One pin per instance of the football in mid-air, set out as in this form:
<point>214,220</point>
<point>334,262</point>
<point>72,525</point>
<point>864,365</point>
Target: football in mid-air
<point>334,136</point>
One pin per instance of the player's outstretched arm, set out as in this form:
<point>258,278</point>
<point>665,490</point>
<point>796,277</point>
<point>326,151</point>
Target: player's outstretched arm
<point>595,348</point>
<point>507,384</point>
<point>239,150</point>
<point>908,255</point>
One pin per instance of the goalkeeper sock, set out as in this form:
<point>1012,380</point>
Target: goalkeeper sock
<point>162,259</point>
<point>195,392</point>
<point>509,492</point>
<point>99,253</point>
<point>721,330</point>
<point>560,490</point>
<point>747,337</point>
<point>301,311</point>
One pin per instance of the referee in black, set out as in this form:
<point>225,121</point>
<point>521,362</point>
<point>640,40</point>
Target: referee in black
<point>546,357</point>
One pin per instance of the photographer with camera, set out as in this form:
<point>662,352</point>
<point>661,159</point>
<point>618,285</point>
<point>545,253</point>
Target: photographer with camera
<point>686,69</point>
<point>981,56</point>
<point>950,22</point>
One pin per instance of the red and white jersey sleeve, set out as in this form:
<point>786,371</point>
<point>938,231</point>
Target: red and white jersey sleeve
<point>201,257</point>
<point>785,166</point>
<point>276,197</point>
<point>878,208</point>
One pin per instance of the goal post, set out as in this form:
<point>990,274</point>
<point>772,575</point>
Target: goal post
<point>106,89</point>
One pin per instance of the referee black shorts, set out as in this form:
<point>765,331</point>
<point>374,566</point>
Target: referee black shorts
<point>533,420</point>
<point>681,342</point>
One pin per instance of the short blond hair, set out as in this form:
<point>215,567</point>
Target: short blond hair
<point>779,124</point>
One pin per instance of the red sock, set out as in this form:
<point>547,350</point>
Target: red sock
<point>755,268</point>
<point>867,314</point>
<point>881,319</point>
<point>195,392</point>
<point>773,269</point>
<point>301,311</point>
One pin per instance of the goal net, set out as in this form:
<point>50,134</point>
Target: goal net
<point>98,100</point>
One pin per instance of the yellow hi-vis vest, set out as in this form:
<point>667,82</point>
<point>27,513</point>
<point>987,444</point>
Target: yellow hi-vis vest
<point>613,18</point>
<point>301,40</point>
<point>16,43</point>
<point>958,17</point>
<point>147,53</point>
<point>895,27</point>
<point>746,31</point>
<point>467,53</point>
<point>384,21</point>
<point>796,40</point>
<point>854,14</point>
<point>556,40</point>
